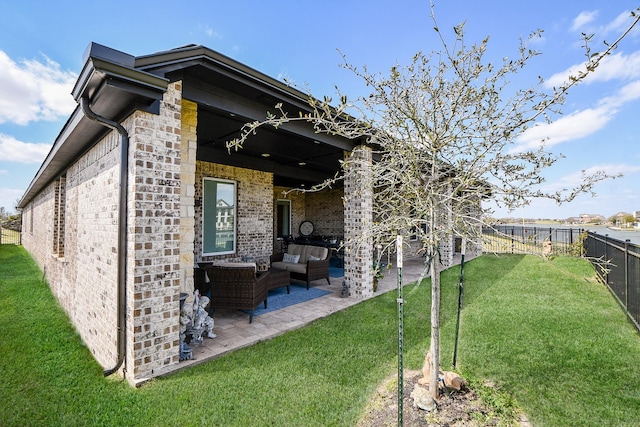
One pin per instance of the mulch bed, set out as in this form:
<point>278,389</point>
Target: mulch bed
<point>461,408</point>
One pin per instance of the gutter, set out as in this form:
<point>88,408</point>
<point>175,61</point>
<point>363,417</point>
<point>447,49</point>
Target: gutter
<point>122,229</point>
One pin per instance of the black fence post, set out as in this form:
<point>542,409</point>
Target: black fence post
<point>606,259</point>
<point>626,274</point>
<point>512,240</point>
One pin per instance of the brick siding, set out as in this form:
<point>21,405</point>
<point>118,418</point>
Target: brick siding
<point>254,210</point>
<point>84,279</point>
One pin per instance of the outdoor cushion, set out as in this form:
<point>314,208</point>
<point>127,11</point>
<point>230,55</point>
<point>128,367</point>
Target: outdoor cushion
<point>296,268</point>
<point>290,258</point>
<point>234,264</point>
<point>305,251</point>
<point>281,265</point>
<point>290,266</point>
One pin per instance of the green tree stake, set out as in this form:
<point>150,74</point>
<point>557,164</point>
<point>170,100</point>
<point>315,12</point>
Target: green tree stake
<point>460,296</point>
<point>400,333</point>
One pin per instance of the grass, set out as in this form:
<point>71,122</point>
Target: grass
<point>552,340</point>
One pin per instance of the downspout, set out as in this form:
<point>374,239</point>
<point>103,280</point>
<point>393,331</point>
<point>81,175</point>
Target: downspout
<point>122,228</point>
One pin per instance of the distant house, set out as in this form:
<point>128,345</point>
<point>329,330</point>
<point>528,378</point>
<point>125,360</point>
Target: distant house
<point>591,218</point>
<point>139,186</point>
<point>621,218</point>
<point>573,220</point>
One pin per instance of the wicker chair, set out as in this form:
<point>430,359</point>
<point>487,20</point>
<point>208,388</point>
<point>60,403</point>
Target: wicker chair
<point>237,288</point>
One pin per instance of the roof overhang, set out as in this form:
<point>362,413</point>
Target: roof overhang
<point>114,89</point>
<point>228,93</point>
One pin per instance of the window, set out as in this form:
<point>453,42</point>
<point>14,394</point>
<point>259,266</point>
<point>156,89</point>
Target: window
<point>59,206</point>
<point>218,217</point>
<point>418,233</point>
<point>283,218</point>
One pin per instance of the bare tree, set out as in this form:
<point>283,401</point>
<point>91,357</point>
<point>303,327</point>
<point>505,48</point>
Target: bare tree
<point>442,130</point>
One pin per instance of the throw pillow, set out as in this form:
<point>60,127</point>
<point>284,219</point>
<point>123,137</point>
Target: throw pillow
<point>313,258</point>
<point>291,258</point>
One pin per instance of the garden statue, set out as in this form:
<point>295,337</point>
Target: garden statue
<point>202,322</point>
<point>185,324</point>
<point>345,289</point>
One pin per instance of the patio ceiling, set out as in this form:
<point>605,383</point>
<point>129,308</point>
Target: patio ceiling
<point>230,94</point>
<point>294,160</point>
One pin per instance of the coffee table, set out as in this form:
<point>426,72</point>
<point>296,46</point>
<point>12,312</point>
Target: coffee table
<point>278,278</point>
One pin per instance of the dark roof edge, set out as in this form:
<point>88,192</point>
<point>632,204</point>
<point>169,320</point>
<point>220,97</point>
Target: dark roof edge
<point>173,57</point>
<point>104,70</point>
<point>102,62</point>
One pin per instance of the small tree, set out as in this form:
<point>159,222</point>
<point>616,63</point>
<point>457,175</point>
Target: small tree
<point>443,130</point>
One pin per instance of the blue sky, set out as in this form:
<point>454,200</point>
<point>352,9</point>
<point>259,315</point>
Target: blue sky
<point>42,43</point>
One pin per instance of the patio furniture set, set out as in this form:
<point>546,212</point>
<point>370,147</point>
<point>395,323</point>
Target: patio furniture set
<point>241,286</point>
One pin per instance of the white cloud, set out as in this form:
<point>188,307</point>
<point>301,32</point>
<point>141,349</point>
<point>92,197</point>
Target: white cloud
<point>617,26</point>
<point>3,171</point>
<point>568,128</point>
<point>581,21</point>
<point>580,123</point>
<point>586,23</point>
<point>574,179</point>
<point>614,67</point>
<point>209,32</point>
<point>34,90</point>
<point>13,150</point>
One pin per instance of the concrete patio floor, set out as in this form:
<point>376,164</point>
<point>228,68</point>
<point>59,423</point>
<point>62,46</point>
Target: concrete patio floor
<point>234,331</point>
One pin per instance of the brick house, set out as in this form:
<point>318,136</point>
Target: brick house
<point>119,211</point>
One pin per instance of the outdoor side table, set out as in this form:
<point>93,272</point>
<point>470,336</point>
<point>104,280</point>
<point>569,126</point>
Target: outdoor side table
<point>278,278</point>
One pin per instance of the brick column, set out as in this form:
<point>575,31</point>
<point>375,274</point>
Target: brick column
<point>153,293</point>
<point>447,247</point>
<point>358,214</point>
<point>188,148</point>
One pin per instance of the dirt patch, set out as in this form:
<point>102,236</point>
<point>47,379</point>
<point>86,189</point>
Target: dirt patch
<point>461,408</point>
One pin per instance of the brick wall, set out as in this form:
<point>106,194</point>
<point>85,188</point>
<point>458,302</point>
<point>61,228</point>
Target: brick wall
<point>358,192</point>
<point>84,278</point>
<point>254,210</point>
<point>188,150</point>
<point>154,264</point>
<point>324,208</point>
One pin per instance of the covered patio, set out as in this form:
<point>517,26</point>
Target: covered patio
<point>266,179</point>
<point>234,331</point>
<point>117,214</point>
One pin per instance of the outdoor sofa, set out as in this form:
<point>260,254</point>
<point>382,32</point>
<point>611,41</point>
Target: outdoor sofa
<point>304,262</point>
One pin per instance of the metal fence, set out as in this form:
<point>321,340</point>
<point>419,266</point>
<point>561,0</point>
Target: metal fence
<point>518,239</point>
<point>10,237</point>
<point>617,264</point>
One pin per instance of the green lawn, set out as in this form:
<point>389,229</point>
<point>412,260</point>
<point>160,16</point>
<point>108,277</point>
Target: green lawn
<point>551,339</point>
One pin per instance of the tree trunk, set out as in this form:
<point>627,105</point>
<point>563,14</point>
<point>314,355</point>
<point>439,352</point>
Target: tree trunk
<point>435,302</point>
<point>435,328</point>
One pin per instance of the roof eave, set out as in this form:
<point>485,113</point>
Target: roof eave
<point>175,59</point>
<point>111,85</point>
